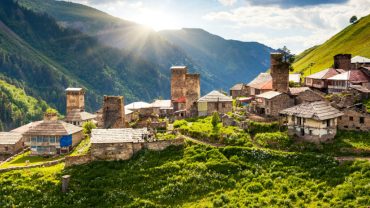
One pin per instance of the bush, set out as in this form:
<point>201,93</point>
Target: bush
<point>88,127</point>
<point>274,140</point>
<point>215,119</point>
<point>260,127</point>
<point>255,187</point>
<point>180,123</point>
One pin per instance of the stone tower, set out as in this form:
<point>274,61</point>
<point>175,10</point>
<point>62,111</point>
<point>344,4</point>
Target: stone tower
<point>342,61</point>
<point>113,112</point>
<point>279,73</point>
<point>184,86</point>
<point>75,99</point>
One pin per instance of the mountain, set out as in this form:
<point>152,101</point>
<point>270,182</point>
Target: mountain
<point>47,57</point>
<point>354,39</point>
<point>228,60</point>
<point>17,108</point>
<point>222,63</point>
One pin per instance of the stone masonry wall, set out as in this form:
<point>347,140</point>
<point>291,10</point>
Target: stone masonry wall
<point>113,112</point>
<point>77,160</point>
<point>278,103</point>
<point>342,61</point>
<point>192,89</point>
<point>351,120</point>
<point>308,96</point>
<point>163,144</point>
<point>220,107</point>
<point>279,73</point>
<point>178,82</point>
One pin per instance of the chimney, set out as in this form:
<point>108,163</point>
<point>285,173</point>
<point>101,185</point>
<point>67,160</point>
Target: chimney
<point>342,61</point>
<point>279,73</point>
<point>50,116</point>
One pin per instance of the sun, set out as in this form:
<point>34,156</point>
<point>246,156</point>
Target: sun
<point>157,20</point>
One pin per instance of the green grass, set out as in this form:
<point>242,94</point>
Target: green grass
<point>354,39</point>
<point>20,160</point>
<point>82,148</point>
<point>195,176</point>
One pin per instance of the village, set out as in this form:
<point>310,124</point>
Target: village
<point>312,110</point>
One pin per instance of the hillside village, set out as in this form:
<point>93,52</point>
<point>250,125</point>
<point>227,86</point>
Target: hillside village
<point>312,110</point>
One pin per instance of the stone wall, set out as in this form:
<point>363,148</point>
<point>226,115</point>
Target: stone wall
<point>354,120</point>
<point>278,103</point>
<point>77,160</point>
<point>220,107</point>
<point>113,112</point>
<point>342,61</point>
<point>279,73</point>
<point>163,144</point>
<point>308,96</point>
<point>192,89</point>
<point>75,100</point>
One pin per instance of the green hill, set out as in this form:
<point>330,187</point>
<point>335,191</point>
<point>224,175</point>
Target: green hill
<point>17,108</point>
<point>354,40</point>
<point>195,176</point>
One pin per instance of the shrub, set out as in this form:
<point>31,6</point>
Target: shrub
<point>179,123</point>
<point>255,187</point>
<point>88,127</point>
<point>215,119</point>
<point>275,140</point>
<point>260,127</point>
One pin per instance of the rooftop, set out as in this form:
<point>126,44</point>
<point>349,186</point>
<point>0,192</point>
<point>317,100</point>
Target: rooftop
<point>354,76</point>
<point>73,89</point>
<point>137,105</point>
<point>52,128</point>
<point>316,110</point>
<point>238,86</point>
<point>215,96</point>
<point>25,128</point>
<point>268,95</point>
<point>162,104</point>
<point>360,59</point>
<point>296,78</point>
<point>77,115</point>
<point>297,90</point>
<point>326,73</point>
<point>125,135</point>
<point>264,81</point>
<point>10,137</point>
<point>179,67</point>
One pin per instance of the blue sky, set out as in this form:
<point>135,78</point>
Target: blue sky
<point>295,23</point>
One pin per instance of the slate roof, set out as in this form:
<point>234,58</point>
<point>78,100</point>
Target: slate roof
<point>316,110</point>
<point>73,89</point>
<point>125,135</point>
<point>137,105</point>
<point>179,67</point>
<point>297,90</point>
<point>10,137</point>
<point>326,73</point>
<point>269,95</point>
<point>25,128</point>
<point>360,88</point>
<point>162,104</point>
<point>52,128</point>
<point>238,86</point>
<point>77,115</point>
<point>360,59</point>
<point>215,96</point>
<point>354,76</point>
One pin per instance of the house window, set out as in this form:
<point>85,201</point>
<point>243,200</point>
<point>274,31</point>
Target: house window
<point>351,118</point>
<point>362,120</point>
<point>346,127</point>
<point>6,149</point>
<point>328,123</point>
<point>293,119</point>
<point>310,132</point>
<point>223,105</point>
<point>340,117</point>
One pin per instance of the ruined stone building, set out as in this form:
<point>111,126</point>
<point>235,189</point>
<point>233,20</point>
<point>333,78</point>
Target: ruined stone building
<point>271,103</point>
<point>10,144</point>
<point>314,121</point>
<point>113,113</point>
<point>76,114</point>
<point>354,118</point>
<point>279,73</point>
<point>304,95</point>
<point>185,89</point>
<point>214,101</point>
<point>238,90</point>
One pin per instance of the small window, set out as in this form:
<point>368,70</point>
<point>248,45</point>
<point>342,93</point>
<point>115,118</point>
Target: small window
<point>6,149</point>
<point>340,118</point>
<point>310,132</point>
<point>362,120</point>
<point>358,128</point>
<point>351,118</point>
<point>346,127</point>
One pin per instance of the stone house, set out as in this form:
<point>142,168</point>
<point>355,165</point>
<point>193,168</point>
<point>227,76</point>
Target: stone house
<point>342,82</point>
<point>163,107</point>
<point>353,118</point>
<point>185,89</point>
<point>360,61</point>
<point>51,136</point>
<point>271,103</point>
<point>314,122</point>
<point>304,94</point>
<point>76,114</point>
<point>10,143</point>
<point>214,101</point>
<point>262,83</point>
<point>319,80</point>
<point>238,90</point>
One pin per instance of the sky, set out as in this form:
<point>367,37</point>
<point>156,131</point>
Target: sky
<point>296,24</point>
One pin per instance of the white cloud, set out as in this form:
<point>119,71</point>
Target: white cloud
<point>227,2</point>
<point>298,27</point>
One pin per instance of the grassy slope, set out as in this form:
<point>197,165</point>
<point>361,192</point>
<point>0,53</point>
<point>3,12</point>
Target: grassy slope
<point>195,176</point>
<point>17,108</point>
<point>354,39</point>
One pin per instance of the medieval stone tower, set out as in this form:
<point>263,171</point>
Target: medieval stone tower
<point>75,99</point>
<point>279,73</point>
<point>342,61</point>
<point>184,86</point>
<point>113,112</point>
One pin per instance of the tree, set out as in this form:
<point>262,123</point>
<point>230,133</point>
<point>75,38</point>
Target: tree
<point>215,119</point>
<point>288,57</point>
<point>353,19</point>
<point>88,127</point>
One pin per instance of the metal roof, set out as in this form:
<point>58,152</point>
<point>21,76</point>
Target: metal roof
<point>260,80</point>
<point>137,105</point>
<point>179,67</point>
<point>269,94</point>
<point>73,89</point>
<point>326,73</point>
<point>162,104</point>
<point>124,135</point>
<point>354,76</point>
<point>10,137</point>
<point>215,96</point>
<point>360,59</point>
<point>319,110</point>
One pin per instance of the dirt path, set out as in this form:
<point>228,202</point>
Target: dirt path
<point>351,158</point>
<point>203,142</point>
